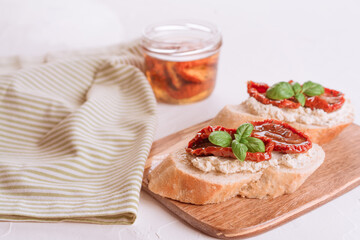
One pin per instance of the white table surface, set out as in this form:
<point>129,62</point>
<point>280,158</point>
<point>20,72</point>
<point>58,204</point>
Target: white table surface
<point>263,41</point>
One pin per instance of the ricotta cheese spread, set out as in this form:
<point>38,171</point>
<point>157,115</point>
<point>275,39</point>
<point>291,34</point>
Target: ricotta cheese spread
<point>301,115</point>
<point>231,165</point>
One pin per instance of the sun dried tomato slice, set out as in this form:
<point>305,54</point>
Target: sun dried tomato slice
<point>258,91</point>
<point>259,156</point>
<point>286,138</point>
<point>189,90</point>
<point>182,80</point>
<point>330,101</point>
<point>198,71</point>
<point>201,146</point>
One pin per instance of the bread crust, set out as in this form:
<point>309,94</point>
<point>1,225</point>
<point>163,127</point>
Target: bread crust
<point>232,116</point>
<point>171,181</point>
<point>176,178</point>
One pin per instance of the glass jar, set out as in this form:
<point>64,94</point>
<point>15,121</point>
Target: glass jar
<point>181,60</point>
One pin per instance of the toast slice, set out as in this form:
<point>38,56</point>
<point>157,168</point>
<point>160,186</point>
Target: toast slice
<point>232,116</point>
<point>177,178</point>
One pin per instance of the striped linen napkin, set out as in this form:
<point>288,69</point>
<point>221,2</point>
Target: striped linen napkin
<point>74,138</point>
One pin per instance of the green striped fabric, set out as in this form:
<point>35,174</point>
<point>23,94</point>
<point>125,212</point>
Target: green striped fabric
<point>74,138</point>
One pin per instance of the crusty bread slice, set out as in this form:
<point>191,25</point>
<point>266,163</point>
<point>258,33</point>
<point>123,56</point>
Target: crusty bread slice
<point>176,178</point>
<point>232,116</point>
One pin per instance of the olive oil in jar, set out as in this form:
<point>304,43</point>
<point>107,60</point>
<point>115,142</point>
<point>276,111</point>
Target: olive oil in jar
<point>181,60</point>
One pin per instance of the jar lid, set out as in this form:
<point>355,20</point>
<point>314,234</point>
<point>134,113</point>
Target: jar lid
<point>181,40</point>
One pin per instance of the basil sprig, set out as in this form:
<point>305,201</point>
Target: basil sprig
<point>312,89</point>
<point>241,144</point>
<point>280,91</point>
<point>239,150</point>
<point>220,138</point>
<point>284,90</point>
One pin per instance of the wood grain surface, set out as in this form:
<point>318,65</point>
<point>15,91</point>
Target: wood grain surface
<point>241,217</point>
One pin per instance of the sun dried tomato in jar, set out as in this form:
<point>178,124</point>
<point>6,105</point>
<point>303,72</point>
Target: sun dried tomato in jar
<point>181,60</point>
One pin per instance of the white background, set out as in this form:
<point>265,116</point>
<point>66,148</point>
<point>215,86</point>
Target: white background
<point>263,41</point>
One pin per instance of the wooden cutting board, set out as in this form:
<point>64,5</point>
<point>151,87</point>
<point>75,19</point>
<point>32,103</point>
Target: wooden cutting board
<point>241,217</point>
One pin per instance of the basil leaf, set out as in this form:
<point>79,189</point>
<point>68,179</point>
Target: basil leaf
<point>237,137</point>
<point>255,145</point>
<point>312,89</point>
<point>280,91</point>
<point>300,98</point>
<point>239,150</point>
<point>220,138</point>
<point>297,88</point>
<point>244,141</point>
<point>245,130</point>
